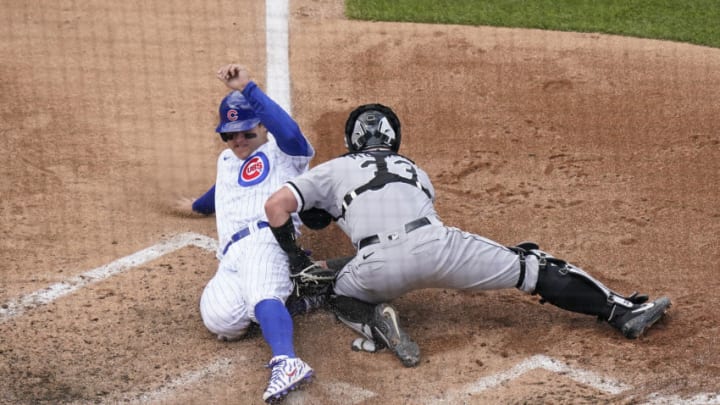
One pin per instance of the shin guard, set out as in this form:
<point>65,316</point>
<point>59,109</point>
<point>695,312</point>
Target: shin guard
<point>572,289</point>
<point>356,314</point>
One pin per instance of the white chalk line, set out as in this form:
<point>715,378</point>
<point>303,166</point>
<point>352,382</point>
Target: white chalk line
<point>591,379</point>
<point>18,306</point>
<point>168,390</point>
<point>340,392</point>
<point>699,399</point>
<point>596,381</point>
<point>537,362</point>
<point>276,46</point>
<point>345,393</point>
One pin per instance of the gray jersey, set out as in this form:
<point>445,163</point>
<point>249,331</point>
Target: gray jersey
<point>384,203</point>
<point>372,211</point>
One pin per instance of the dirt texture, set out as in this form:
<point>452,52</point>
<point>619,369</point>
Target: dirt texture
<point>605,150</point>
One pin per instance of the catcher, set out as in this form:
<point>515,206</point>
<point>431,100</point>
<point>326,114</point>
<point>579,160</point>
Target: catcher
<point>385,203</point>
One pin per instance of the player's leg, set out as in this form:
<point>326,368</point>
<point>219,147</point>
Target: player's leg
<point>448,257</point>
<point>379,326</point>
<point>466,261</point>
<point>571,288</point>
<point>264,267</point>
<point>222,307</point>
<point>288,371</point>
<point>225,313</point>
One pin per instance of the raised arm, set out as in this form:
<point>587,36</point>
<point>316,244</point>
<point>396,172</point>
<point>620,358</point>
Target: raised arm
<point>286,131</point>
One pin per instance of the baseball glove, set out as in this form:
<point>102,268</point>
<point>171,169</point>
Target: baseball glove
<point>313,280</point>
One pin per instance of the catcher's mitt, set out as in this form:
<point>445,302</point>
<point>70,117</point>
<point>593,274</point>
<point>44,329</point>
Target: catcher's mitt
<point>313,280</point>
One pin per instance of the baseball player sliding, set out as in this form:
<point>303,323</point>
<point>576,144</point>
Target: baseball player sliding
<point>252,281</point>
<point>385,203</point>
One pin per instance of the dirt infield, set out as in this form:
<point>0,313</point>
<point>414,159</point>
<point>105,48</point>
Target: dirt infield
<point>605,150</point>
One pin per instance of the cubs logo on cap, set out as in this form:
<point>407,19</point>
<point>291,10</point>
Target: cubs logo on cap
<point>254,170</point>
<point>236,114</point>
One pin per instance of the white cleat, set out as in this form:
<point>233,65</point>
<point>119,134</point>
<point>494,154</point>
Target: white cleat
<point>288,374</point>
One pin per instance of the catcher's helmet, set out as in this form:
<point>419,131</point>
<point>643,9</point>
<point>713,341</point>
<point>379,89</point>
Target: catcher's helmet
<point>236,114</point>
<point>372,125</point>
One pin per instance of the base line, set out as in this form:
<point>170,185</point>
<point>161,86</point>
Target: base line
<point>537,362</point>
<point>221,367</point>
<point>18,306</point>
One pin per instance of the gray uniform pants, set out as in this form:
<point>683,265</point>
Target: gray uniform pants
<point>432,256</point>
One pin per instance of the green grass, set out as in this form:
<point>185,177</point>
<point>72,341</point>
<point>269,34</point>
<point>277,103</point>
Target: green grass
<point>693,21</point>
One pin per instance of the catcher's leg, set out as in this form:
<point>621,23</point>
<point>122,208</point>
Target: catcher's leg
<point>380,327</point>
<point>355,314</point>
<point>571,288</point>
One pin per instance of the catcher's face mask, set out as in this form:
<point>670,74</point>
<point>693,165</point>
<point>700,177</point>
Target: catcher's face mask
<point>372,125</point>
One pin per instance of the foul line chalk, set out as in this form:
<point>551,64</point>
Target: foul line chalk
<point>345,393</point>
<point>18,306</point>
<point>169,389</point>
<point>276,46</point>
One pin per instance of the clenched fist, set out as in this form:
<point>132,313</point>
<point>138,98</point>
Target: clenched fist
<point>234,76</point>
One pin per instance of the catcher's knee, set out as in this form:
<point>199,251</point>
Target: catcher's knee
<point>528,275</point>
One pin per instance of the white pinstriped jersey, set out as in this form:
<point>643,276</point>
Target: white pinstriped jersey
<point>243,186</point>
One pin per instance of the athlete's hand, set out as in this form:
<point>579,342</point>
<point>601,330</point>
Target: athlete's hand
<point>183,206</point>
<point>299,261</point>
<point>234,76</point>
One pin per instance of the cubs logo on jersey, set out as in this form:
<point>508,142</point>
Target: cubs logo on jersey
<point>254,170</point>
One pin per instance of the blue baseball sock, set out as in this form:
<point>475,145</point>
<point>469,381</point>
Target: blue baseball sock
<point>276,325</point>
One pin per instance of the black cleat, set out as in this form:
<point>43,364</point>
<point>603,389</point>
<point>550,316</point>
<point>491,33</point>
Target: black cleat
<point>386,328</point>
<point>636,321</point>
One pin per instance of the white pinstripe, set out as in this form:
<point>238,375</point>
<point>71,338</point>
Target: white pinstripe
<point>254,268</point>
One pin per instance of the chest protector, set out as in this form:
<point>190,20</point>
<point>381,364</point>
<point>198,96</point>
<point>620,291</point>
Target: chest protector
<point>383,176</point>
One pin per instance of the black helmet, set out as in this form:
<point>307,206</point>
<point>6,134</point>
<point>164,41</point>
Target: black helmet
<point>372,125</point>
